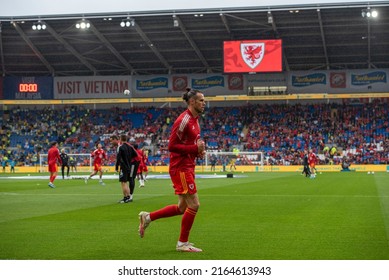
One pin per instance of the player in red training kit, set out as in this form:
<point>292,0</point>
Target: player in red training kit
<point>98,156</point>
<point>139,172</point>
<point>53,157</point>
<point>312,159</point>
<point>145,170</point>
<point>185,146</point>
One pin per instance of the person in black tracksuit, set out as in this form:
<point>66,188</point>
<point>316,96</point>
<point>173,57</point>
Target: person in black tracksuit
<point>128,160</point>
<point>65,163</point>
<point>306,169</point>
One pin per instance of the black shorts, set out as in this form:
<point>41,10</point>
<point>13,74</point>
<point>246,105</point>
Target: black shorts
<point>126,175</point>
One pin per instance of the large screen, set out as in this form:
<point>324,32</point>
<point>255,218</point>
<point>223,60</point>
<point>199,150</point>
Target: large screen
<point>252,56</point>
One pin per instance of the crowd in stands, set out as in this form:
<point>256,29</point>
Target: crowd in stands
<point>358,131</point>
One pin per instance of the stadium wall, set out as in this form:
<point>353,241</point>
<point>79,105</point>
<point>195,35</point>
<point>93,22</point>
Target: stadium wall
<point>251,168</point>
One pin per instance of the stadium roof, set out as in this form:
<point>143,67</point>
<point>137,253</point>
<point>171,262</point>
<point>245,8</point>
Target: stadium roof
<point>315,37</point>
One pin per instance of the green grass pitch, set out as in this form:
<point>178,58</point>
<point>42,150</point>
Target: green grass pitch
<point>261,216</point>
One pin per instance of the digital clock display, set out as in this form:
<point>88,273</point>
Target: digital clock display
<point>24,87</point>
<point>27,88</point>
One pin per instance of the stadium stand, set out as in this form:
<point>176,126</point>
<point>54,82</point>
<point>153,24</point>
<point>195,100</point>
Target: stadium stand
<point>281,131</point>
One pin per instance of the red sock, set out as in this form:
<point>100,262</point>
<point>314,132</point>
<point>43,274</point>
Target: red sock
<point>186,223</point>
<point>51,178</point>
<point>168,211</point>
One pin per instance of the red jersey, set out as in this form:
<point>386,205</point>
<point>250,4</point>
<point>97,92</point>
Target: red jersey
<point>183,142</point>
<point>140,159</point>
<point>98,156</point>
<point>140,154</point>
<point>53,156</point>
<point>312,158</point>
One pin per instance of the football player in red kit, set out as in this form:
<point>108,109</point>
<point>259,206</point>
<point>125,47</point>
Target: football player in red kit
<point>184,146</point>
<point>312,160</point>
<point>98,155</point>
<point>53,157</point>
<point>139,172</point>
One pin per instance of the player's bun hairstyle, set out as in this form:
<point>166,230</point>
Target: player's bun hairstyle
<point>186,96</point>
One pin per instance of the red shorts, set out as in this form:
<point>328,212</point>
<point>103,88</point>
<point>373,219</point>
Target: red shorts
<point>97,167</point>
<point>312,165</point>
<point>183,182</point>
<point>144,168</point>
<point>53,167</point>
